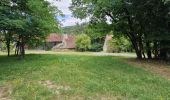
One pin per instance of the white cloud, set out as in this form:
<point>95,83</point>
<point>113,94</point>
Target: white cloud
<point>64,5</point>
<point>72,21</point>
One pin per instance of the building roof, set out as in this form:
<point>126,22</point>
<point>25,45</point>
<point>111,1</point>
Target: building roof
<point>67,40</point>
<point>54,38</point>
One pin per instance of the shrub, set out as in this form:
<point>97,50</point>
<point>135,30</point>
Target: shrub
<point>83,42</point>
<point>96,47</point>
<point>112,46</point>
<point>124,44</point>
<point>4,48</point>
<point>120,44</point>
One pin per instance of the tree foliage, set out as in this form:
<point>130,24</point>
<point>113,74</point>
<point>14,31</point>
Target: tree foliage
<point>144,22</point>
<point>76,29</point>
<point>83,42</point>
<point>95,32</point>
<point>23,21</point>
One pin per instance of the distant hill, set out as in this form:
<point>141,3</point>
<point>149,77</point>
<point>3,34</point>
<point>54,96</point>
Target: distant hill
<point>76,29</point>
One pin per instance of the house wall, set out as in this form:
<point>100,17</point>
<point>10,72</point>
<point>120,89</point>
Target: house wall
<point>50,45</point>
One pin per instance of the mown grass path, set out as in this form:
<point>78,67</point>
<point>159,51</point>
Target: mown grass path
<point>78,77</point>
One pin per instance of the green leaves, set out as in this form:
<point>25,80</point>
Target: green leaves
<point>83,42</point>
<point>140,20</point>
<point>27,20</point>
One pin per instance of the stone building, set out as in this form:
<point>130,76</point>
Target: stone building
<point>60,41</point>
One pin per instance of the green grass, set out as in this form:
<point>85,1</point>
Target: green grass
<point>89,77</point>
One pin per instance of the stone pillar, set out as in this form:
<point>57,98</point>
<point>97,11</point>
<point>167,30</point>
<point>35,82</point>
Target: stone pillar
<point>107,39</point>
<point>0,45</point>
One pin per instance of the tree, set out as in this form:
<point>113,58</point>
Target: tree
<point>26,20</point>
<point>8,22</point>
<point>143,21</point>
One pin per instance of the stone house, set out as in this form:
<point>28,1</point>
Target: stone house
<point>60,41</point>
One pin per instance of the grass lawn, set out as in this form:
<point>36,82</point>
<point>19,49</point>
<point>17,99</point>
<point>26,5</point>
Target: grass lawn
<point>78,77</point>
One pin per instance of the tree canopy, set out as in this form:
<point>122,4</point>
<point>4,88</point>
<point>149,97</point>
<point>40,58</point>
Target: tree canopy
<point>24,21</point>
<point>145,22</point>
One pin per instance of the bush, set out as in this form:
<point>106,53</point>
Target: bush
<point>124,44</point>
<point>4,48</point>
<point>96,47</point>
<point>120,44</point>
<point>112,46</point>
<point>83,42</point>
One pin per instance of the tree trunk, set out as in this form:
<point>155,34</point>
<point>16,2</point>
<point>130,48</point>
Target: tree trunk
<point>139,54</point>
<point>8,47</point>
<point>156,54</point>
<point>22,47</point>
<point>163,50</point>
<point>141,46</point>
<point>133,36</point>
<point>17,48</point>
<point>8,41</point>
<point>149,53</point>
<point>136,47</point>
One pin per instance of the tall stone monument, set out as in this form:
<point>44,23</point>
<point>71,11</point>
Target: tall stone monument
<point>107,39</point>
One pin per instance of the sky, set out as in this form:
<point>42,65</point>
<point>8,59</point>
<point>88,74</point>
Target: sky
<point>68,19</point>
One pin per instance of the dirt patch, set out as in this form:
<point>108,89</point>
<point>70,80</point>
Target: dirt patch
<point>95,97</point>
<point>58,89</point>
<point>54,87</point>
<point>107,97</point>
<point>157,67</point>
<point>5,91</point>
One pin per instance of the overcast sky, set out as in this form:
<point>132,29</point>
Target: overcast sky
<point>68,20</point>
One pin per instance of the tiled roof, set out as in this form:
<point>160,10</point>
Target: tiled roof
<point>54,38</point>
<point>67,39</point>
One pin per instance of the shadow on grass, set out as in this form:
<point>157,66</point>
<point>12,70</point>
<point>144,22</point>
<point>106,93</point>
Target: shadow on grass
<point>87,74</point>
<point>149,61</point>
<point>11,67</point>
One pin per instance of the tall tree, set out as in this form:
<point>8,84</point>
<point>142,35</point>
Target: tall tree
<point>143,21</point>
<point>27,20</point>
